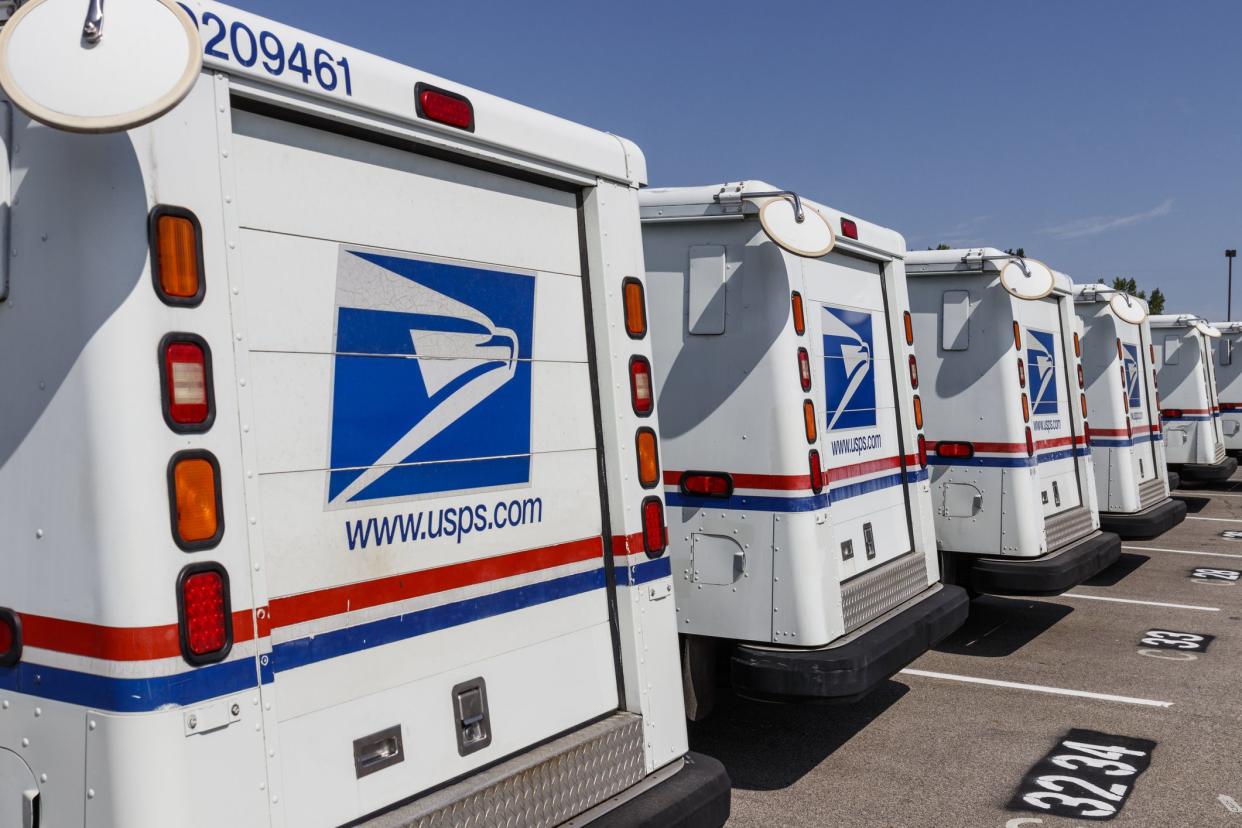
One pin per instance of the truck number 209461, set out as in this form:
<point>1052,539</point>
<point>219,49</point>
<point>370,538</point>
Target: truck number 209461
<point>237,42</point>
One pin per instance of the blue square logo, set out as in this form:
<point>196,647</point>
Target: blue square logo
<point>431,386</point>
<point>1131,364</point>
<point>849,368</point>
<point>1041,361</point>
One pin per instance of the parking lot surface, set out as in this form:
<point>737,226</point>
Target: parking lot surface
<point>955,739</point>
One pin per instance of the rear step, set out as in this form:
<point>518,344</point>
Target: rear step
<point>872,593</point>
<point>1151,492</point>
<point>1068,526</point>
<point>544,786</point>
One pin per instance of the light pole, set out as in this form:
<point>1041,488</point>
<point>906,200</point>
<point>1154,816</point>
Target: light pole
<point>1229,254</point>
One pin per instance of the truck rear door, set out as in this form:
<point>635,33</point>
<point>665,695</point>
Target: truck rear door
<point>860,422</point>
<point>427,508</point>
<point>1051,395</point>
<point>1138,407</point>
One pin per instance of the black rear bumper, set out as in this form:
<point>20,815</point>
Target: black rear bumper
<point>846,672</point>
<point>697,796</point>
<point>1051,574</point>
<point>1208,472</point>
<point>1147,524</point>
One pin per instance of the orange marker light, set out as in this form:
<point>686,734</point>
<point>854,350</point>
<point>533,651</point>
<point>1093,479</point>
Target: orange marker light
<point>635,308</point>
<point>1017,337</point>
<point>1077,346</point>
<point>176,250</point>
<point>808,417</point>
<point>196,500</point>
<point>909,322</point>
<point>648,458</point>
<point>1026,409</point>
<point>918,412</point>
<point>799,316</point>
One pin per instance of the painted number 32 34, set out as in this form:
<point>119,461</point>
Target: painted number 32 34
<point>1085,779</point>
<point>236,42</point>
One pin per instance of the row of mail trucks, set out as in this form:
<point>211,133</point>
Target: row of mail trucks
<point>376,451</point>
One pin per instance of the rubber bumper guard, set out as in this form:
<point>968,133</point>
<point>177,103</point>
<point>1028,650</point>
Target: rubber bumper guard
<point>846,672</point>
<point>1209,472</point>
<point>697,796</point>
<point>1147,524</point>
<point>1051,574</point>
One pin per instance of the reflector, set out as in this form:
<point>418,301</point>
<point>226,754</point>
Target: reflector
<point>849,228</point>
<point>635,308</point>
<point>808,420</point>
<point>706,484</point>
<point>444,107</point>
<point>799,318</point>
<point>956,450</point>
<point>176,255</point>
<point>909,323</point>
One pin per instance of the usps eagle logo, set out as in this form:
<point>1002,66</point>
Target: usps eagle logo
<point>1131,363</point>
<point>849,370</point>
<point>1041,360</point>
<point>431,386</point>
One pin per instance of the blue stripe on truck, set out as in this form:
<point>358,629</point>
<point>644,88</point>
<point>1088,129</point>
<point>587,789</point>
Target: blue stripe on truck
<point>803,503</point>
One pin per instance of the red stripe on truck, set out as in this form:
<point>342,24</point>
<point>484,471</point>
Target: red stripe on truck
<point>115,643</point>
<point>799,482</point>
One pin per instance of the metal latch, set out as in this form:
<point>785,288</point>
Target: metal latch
<point>211,717</point>
<point>474,729</point>
<point>378,751</point>
<point>869,540</point>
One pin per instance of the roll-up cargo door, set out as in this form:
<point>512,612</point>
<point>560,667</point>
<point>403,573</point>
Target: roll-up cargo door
<point>428,487</point>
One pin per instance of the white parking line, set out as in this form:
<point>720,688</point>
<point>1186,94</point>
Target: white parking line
<point>1214,520</point>
<point>1133,601</point>
<point>1180,551</point>
<point>1037,688</point>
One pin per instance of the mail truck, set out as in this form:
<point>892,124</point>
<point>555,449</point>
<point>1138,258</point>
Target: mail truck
<point>800,526</point>
<point>1194,437</point>
<point>1005,403</point>
<point>1127,447</point>
<point>1228,368</point>
<point>330,485</point>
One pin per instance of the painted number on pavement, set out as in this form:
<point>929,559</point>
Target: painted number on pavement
<point>1170,640</point>
<point>1088,775</point>
<point>1207,574</point>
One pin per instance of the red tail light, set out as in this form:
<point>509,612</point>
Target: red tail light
<point>922,450</point>
<point>641,394</point>
<point>1030,443</point>
<point>10,638</point>
<point>1173,412</point>
<point>957,450</point>
<point>444,107</point>
<point>205,619</point>
<point>914,372</point>
<point>1129,428</point>
<point>849,228</point>
<point>817,473</point>
<point>804,369</point>
<point>1086,431</point>
<point>706,484</point>
<point>1021,374</point>
<point>185,379</point>
<point>655,538</point>
<point>799,317</point>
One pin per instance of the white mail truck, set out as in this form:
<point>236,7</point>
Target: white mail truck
<point>330,488</point>
<point>1006,407</point>
<point>1193,435</point>
<point>1127,448</point>
<point>1228,368</point>
<point>800,527</point>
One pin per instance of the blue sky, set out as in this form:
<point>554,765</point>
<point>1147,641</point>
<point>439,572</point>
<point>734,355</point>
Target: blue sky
<point>1105,137</point>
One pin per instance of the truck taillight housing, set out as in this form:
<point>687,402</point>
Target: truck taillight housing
<point>1172,413</point>
<point>1082,383</point>
<point>194,495</point>
<point>808,421</point>
<point>185,380</point>
<point>204,615</point>
<point>641,394</point>
<point>1026,409</point>
<point>955,449</point>
<point>648,458</point>
<point>635,303</point>
<point>176,245</point>
<point>443,107</point>
<point>914,372</point>
<point>817,471</point>
<point>804,369</point>
<point>918,412</point>
<point>1030,443</point>
<point>1083,399</point>
<point>922,450</point>
<point>10,638</point>
<point>1021,373</point>
<point>849,228</point>
<point>1120,354</point>
<point>655,536</point>
<point>1017,337</point>
<point>909,323</point>
<point>706,484</point>
<point>1077,346</point>
<point>799,316</point>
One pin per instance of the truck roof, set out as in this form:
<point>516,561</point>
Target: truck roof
<point>386,88</point>
<point>725,199</point>
<point>1175,320</point>
<point>1095,292</point>
<point>1227,327</point>
<point>971,260</point>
